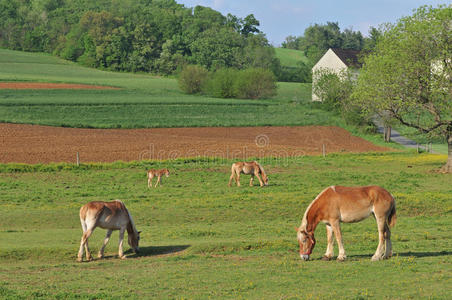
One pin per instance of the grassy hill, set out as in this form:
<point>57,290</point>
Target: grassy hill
<point>290,57</point>
<point>143,101</point>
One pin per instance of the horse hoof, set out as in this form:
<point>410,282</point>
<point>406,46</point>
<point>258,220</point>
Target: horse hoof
<point>326,258</point>
<point>341,258</point>
<point>376,258</point>
<point>79,259</point>
<point>100,256</point>
<point>123,257</point>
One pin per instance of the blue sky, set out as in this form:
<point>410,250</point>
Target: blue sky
<point>281,18</point>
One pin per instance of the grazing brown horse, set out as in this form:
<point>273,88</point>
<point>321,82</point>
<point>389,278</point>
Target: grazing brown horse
<point>159,173</point>
<point>111,216</point>
<point>338,204</point>
<point>253,168</point>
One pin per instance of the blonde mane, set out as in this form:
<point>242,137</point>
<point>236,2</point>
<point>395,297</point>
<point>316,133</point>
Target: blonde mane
<point>304,221</point>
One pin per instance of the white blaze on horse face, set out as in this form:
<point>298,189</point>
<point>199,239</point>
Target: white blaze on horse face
<point>302,239</point>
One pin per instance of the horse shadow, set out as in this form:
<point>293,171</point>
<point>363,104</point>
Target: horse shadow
<point>157,250</point>
<point>424,254</point>
<point>405,254</point>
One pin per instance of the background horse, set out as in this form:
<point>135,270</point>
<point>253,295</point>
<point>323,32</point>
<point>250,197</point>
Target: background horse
<point>337,204</point>
<point>159,173</point>
<point>253,168</point>
<point>111,216</point>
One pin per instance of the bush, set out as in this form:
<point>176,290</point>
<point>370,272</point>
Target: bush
<point>222,84</point>
<point>192,78</point>
<point>300,73</point>
<point>255,83</point>
<point>335,90</point>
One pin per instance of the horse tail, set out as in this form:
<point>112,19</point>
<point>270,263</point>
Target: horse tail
<point>392,218</point>
<point>83,210</point>
<point>233,170</point>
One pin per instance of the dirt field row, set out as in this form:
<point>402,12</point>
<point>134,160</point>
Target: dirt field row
<point>52,86</point>
<point>43,144</point>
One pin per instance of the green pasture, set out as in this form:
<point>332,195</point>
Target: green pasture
<point>143,101</point>
<point>290,57</point>
<point>203,240</point>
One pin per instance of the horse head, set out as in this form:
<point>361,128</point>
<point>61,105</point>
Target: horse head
<point>265,178</point>
<point>134,240</point>
<point>167,172</point>
<point>306,241</point>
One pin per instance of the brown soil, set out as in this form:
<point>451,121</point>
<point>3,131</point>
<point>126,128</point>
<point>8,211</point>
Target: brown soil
<point>43,144</point>
<point>61,86</point>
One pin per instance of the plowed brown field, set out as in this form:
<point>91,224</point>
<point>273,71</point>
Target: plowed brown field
<point>52,86</point>
<point>43,144</point>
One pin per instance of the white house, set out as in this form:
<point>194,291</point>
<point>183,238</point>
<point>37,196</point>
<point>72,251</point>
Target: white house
<point>336,60</point>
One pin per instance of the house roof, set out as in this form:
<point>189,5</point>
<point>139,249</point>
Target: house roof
<point>350,57</point>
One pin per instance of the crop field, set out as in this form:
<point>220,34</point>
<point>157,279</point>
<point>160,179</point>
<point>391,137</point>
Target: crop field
<point>142,101</point>
<point>30,143</point>
<point>201,239</point>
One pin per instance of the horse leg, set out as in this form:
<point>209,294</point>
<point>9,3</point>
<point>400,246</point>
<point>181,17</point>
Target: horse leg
<point>237,179</point>
<point>337,232</point>
<point>329,249</point>
<point>388,243</point>
<point>84,244</point>
<point>231,178</point>
<point>260,180</point>
<point>158,181</point>
<point>107,238</point>
<point>252,180</point>
<point>381,222</point>
<point>150,181</point>
<point>121,240</point>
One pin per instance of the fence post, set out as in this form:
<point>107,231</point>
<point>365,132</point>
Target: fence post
<point>323,150</point>
<point>78,160</point>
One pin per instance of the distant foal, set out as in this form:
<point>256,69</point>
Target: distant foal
<point>338,204</point>
<point>159,173</point>
<point>253,168</point>
<point>111,216</point>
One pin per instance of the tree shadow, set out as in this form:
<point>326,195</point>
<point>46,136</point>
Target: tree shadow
<point>158,250</point>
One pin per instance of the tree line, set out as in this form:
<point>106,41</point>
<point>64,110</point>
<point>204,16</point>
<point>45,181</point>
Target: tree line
<point>318,38</point>
<point>156,36</point>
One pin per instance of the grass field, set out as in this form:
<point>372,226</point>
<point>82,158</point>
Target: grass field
<point>202,239</point>
<point>290,57</point>
<point>143,101</point>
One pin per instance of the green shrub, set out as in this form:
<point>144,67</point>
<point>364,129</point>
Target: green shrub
<point>300,73</point>
<point>335,90</point>
<point>192,79</point>
<point>222,84</point>
<point>255,83</point>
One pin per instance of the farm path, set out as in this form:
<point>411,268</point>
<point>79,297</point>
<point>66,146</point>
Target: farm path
<point>400,139</point>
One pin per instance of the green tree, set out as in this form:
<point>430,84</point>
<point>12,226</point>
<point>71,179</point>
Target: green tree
<point>217,48</point>
<point>249,25</point>
<point>318,38</point>
<point>409,75</point>
<point>371,41</point>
